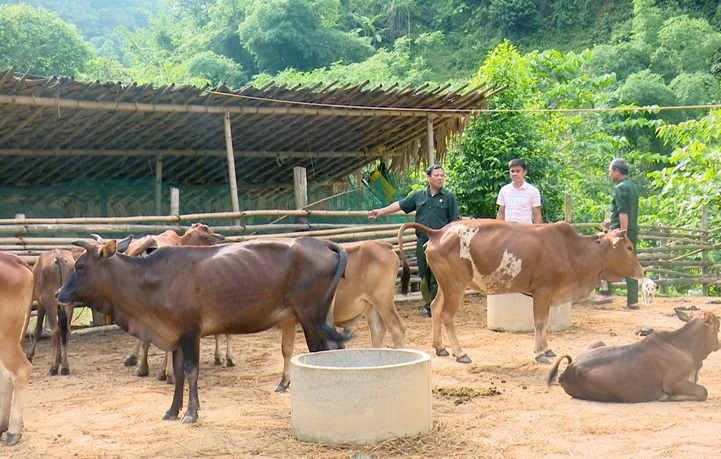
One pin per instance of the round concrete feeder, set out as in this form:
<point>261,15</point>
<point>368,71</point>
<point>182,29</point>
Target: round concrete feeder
<point>513,312</point>
<point>360,395</point>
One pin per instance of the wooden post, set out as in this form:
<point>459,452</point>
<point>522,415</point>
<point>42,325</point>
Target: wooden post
<point>569,203</point>
<point>231,168</point>
<point>429,134</point>
<point>300,187</point>
<point>662,288</point>
<point>174,201</point>
<point>158,183</point>
<point>704,253</point>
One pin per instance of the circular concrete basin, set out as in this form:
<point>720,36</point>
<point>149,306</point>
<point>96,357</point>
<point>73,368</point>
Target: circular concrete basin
<point>360,395</point>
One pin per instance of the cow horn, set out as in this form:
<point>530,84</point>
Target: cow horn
<point>87,245</point>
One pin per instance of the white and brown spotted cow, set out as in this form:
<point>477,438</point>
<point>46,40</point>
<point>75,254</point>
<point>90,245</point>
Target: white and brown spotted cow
<point>550,262</point>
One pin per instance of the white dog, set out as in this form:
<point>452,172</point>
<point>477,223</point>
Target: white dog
<point>648,291</point>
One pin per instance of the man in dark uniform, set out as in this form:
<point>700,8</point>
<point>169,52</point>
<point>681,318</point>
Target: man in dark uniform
<point>435,207</point>
<point>624,215</point>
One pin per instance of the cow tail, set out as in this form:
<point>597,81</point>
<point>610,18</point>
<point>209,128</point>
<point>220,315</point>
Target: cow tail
<point>328,331</point>
<point>406,270</point>
<point>554,369</point>
<point>63,319</point>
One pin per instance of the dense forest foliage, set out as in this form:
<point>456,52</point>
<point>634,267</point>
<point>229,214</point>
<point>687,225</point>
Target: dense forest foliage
<point>587,80</point>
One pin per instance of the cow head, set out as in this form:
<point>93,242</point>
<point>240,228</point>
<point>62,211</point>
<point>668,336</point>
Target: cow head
<point>709,327</point>
<point>82,282</point>
<point>619,257</point>
<point>201,234</point>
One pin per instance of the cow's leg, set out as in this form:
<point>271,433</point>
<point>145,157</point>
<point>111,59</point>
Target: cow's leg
<point>676,389</point>
<point>37,332</point>
<point>177,404</point>
<point>444,308</point>
<point>393,322</point>
<point>376,327</point>
<point>52,316</point>
<point>166,371</point>
<point>229,359</point>
<point>64,318</point>
<point>15,371</point>
<point>287,341</point>
<point>190,343</point>
<point>218,358</point>
<point>132,358</point>
<point>541,310</point>
<point>143,368</point>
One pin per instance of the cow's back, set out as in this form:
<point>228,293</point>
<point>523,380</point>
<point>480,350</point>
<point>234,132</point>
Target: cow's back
<point>16,290</point>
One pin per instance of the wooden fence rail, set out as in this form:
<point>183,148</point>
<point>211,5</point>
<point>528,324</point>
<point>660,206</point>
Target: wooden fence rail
<point>671,256</point>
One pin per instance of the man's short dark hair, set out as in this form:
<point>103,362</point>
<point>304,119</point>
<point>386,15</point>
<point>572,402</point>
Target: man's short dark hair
<point>620,165</point>
<point>517,162</point>
<point>433,167</point>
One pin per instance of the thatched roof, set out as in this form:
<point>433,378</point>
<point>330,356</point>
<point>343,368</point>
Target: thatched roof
<point>55,129</point>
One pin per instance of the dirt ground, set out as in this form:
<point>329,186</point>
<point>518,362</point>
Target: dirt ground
<point>496,407</point>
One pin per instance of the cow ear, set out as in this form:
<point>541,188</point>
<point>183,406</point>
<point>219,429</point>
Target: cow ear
<point>109,249</point>
<point>709,318</point>
<point>682,315</point>
<point>615,239</point>
<point>125,243</point>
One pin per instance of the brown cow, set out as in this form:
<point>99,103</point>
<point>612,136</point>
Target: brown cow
<point>663,366</point>
<point>50,272</point>
<point>550,262</point>
<point>198,234</point>
<point>369,288</point>
<point>16,295</point>
<point>176,295</point>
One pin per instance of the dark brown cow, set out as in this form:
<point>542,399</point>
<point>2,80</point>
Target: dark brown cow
<point>50,272</point>
<point>663,366</point>
<point>198,234</point>
<point>550,262</point>
<point>179,294</point>
<point>368,287</point>
<point>16,295</point>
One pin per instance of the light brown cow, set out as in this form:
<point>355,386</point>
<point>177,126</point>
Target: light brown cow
<point>50,272</point>
<point>181,294</point>
<point>16,295</point>
<point>369,288</point>
<point>550,262</point>
<point>198,234</point>
<point>663,366</point>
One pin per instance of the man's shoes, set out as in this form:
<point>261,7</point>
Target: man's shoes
<point>602,299</point>
<point>426,310</point>
<point>633,306</point>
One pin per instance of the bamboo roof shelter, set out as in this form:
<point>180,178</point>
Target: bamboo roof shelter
<point>54,130</point>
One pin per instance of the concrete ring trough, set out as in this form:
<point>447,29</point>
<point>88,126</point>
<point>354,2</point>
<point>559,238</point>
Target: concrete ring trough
<point>360,396</point>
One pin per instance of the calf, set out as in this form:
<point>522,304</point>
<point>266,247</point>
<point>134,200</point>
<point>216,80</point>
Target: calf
<point>16,295</point>
<point>50,272</point>
<point>368,287</point>
<point>663,366</point>
<point>179,294</point>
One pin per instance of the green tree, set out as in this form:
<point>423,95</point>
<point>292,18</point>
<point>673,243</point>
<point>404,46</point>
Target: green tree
<point>37,40</point>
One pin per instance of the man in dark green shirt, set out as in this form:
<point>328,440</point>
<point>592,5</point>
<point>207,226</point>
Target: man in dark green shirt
<point>624,215</point>
<point>435,207</point>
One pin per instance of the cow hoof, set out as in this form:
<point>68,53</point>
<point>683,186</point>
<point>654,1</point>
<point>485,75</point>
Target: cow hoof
<point>229,363</point>
<point>189,418</point>
<point>442,353</point>
<point>463,359</point>
<point>142,374</point>
<point>170,415</point>
<point>53,372</point>
<point>218,361</point>
<point>549,353</point>
<point>13,439</point>
<point>542,359</point>
<point>130,361</point>
<point>282,386</point>
<point>65,371</point>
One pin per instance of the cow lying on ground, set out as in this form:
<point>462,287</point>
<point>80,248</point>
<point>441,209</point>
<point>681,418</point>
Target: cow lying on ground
<point>197,235</point>
<point>663,366</point>
<point>550,262</point>
<point>180,294</point>
<point>16,295</point>
<point>369,288</point>
<point>50,272</point>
